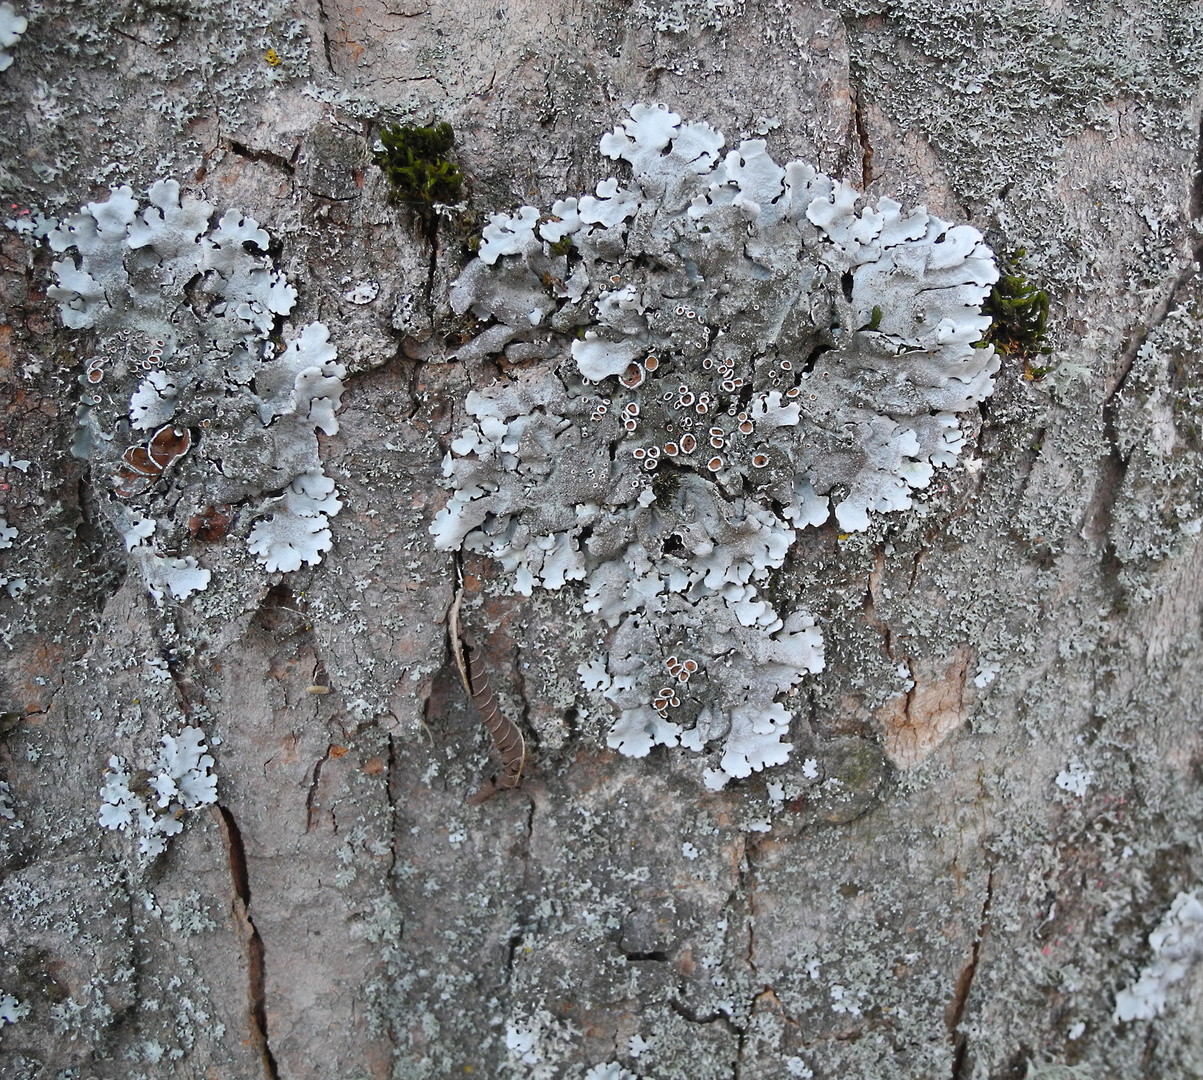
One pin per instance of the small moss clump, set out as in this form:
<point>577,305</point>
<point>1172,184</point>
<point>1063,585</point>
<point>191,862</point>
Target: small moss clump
<point>414,160</point>
<point>1020,315</point>
<point>665,485</point>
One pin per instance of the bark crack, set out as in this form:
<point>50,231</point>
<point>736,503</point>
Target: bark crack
<point>872,591</point>
<point>314,782</point>
<point>264,157</point>
<point>956,1009</point>
<point>862,135</point>
<point>324,20</point>
<point>1115,465</point>
<point>252,943</point>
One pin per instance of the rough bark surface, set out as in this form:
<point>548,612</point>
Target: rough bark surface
<point>937,905</point>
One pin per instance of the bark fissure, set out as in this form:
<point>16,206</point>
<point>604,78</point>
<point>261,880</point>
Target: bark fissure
<point>862,134</point>
<point>252,943</point>
<point>964,985</point>
<point>872,590</point>
<point>263,157</point>
<point>314,782</point>
<point>507,737</point>
<point>327,51</point>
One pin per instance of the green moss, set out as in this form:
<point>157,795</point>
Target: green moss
<point>1019,312</point>
<point>414,160</point>
<point>562,246</point>
<point>665,485</point>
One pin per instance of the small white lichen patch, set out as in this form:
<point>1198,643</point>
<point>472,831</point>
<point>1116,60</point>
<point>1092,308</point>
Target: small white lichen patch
<point>7,534</point>
<point>363,293</point>
<point>523,1043</point>
<point>1075,778</point>
<point>12,26</point>
<point>724,350</point>
<point>609,1070</point>
<point>1177,945</point>
<point>186,400</point>
<point>188,915</point>
<point>178,577</point>
<point>12,1010</point>
<point>987,672</point>
<point>183,780</point>
<point>298,530</point>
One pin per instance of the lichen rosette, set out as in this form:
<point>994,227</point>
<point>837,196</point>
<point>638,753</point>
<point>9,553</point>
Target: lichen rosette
<point>189,406</point>
<point>723,350</point>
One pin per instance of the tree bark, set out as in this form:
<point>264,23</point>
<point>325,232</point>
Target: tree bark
<point>1006,733</point>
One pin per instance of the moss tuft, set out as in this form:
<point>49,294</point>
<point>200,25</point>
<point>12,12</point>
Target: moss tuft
<point>1019,312</point>
<point>414,160</point>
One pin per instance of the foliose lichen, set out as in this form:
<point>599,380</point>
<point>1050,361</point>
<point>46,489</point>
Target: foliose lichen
<point>1177,944</point>
<point>12,26</point>
<point>190,405</point>
<point>728,348</point>
<point>181,781</point>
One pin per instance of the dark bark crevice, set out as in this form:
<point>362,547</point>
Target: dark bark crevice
<point>251,941</point>
<point>961,1061</point>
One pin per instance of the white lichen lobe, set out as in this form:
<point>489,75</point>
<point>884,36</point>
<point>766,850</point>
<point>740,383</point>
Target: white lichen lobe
<point>1177,945</point>
<point>182,780</point>
<point>724,350</point>
<point>12,26</point>
<point>187,403</point>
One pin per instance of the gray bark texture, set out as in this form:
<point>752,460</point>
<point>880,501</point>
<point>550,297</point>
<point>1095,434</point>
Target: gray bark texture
<point>995,795</point>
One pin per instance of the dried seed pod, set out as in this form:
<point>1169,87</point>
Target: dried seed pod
<point>507,738</point>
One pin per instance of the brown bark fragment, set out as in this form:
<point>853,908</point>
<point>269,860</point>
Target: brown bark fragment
<point>919,720</point>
